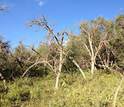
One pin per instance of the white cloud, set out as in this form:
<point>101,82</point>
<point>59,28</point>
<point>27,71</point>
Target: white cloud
<point>3,7</point>
<point>40,2</point>
<point>121,9</point>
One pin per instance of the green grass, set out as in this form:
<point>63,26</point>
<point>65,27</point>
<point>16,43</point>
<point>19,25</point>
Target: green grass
<point>96,91</point>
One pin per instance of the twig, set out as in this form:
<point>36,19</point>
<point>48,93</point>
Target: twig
<point>36,63</point>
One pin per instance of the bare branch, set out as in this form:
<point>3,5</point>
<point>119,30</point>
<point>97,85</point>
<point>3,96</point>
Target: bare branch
<point>116,92</point>
<point>87,49</point>
<point>36,63</point>
<point>79,68</point>
<point>42,22</point>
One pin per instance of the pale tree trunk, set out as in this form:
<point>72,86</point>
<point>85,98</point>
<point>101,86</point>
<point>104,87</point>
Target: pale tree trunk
<point>57,81</point>
<point>92,65</point>
<point>79,69</point>
<point>116,93</point>
<point>92,56</point>
<point>90,48</point>
<point>59,69</point>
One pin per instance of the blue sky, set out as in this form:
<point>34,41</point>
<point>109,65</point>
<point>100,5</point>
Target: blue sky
<point>62,14</point>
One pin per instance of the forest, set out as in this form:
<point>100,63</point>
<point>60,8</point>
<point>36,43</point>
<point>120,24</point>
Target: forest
<point>66,70</point>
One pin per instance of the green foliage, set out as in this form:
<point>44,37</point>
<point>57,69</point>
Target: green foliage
<point>36,90</point>
<point>117,42</point>
<point>97,91</point>
<point>43,49</point>
<point>5,66</point>
<point>77,52</point>
<point>14,63</point>
<point>24,57</point>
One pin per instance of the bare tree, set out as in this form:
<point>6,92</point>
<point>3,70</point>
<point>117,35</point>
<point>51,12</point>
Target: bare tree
<point>58,39</point>
<point>90,32</point>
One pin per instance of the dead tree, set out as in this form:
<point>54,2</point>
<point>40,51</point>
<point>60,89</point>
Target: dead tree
<point>92,49</point>
<point>58,39</point>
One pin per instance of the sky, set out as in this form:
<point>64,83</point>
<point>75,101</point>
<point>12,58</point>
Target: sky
<point>61,14</point>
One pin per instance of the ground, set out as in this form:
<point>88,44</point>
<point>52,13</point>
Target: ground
<point>74,91</point>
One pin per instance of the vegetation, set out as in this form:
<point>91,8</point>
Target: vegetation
<point>97,91</point>
<point>87,71</point>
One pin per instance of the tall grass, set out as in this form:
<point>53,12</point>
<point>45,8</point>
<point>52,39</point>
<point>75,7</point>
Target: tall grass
<point>97,91</point>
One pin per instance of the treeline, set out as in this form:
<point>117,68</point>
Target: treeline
<point>100,45</point>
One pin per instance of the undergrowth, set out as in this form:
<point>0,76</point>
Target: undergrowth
<point>95,91</point>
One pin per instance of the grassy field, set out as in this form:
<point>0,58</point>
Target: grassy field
<point>96,91</point>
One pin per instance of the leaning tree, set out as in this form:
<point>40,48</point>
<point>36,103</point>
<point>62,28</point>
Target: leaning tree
<point>59,56</point>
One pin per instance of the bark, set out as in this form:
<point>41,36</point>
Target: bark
<point>57,81</point>
<point>92,67</point>
<point>92,52</point>
<point>79,69</point>
<point>36,63</point>
<point>59,69</point>
<point>92,64</point>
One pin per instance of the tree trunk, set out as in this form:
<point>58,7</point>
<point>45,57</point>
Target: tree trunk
<point>57,81</point>
<point>92,65</point>
<point>59,69</point>
<point>79,69</point>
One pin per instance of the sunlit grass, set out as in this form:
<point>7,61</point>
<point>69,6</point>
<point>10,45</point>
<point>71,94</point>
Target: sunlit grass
<point>96,91</point>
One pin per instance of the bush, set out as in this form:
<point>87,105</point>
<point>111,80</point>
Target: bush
<point>97,91</point>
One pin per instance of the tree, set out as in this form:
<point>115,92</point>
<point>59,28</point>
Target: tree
<point>58,40</point>
<point>23,58</point>
<point>4,46</point>
<point>74,46</point>
<point>117,42</point>
<point>94,36</point>
<point>4,59</point>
